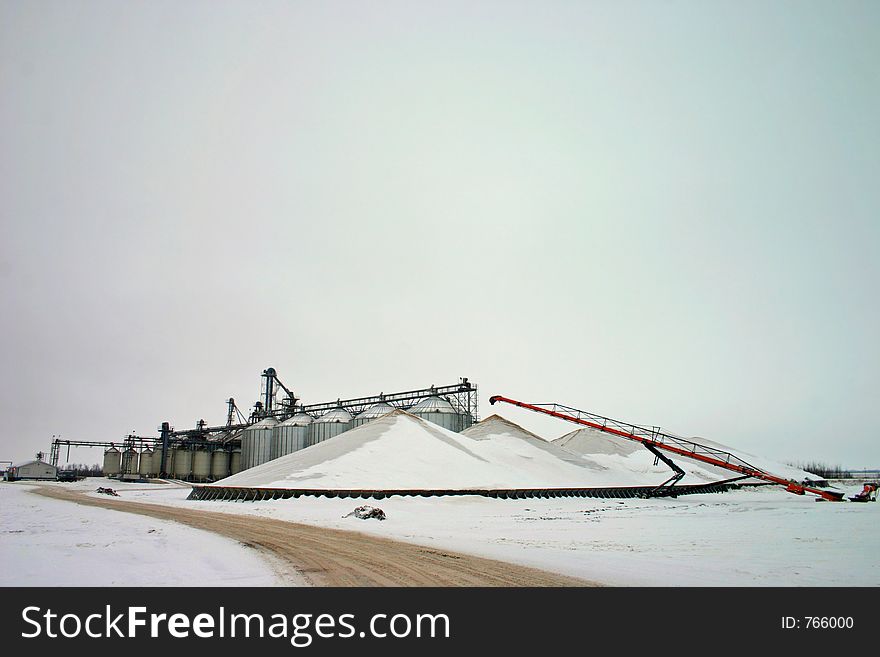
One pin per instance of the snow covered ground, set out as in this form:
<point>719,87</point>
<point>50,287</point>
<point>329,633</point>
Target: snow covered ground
<point>47,542</point>
<point>759,537</point>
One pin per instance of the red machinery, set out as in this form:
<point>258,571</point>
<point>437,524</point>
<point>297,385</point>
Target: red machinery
<point>654,439</point>
<point>867,494</point>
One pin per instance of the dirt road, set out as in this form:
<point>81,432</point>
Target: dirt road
<point>332,557</point>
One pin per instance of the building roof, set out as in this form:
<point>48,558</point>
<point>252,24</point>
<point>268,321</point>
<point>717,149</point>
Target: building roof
<point>265,423</point>
<point>374,411</point>
<point>298,420</point>
<point>24,463</point>
<point>336,415</point>
<point>432,405</point>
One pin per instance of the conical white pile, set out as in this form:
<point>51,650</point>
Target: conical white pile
<point>622,454</point>
<point>509,444</point>
<point>592,441</point>
<point>401,451</point>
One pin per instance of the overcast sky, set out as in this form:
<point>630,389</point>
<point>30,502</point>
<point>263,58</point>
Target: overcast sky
<point>663,212</point>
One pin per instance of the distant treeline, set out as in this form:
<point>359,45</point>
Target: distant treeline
<point>823,470</point>
<point>83,470</point>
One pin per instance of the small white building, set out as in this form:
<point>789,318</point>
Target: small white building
<point>31,470</point>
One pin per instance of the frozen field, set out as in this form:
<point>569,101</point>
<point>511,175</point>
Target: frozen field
<point>49,542</point>
<point>763,537</point>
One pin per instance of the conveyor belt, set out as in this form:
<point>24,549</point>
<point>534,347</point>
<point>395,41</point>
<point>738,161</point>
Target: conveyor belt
<point>246,494</point>
<point>654,439</point>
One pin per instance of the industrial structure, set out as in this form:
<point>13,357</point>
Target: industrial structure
<point>655,440</point>
<point>278,425</point>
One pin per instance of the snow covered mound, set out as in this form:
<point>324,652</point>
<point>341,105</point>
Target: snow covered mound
<point>401,451</point>
<point>593,441</point>
<point>624,455</point>
<point>608,450</point>
<point>495,425</point>
<point>512,444</point>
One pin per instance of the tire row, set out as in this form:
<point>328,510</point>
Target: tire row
<point>243,494</point>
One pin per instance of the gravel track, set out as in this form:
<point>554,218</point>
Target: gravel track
<point>333,557</point>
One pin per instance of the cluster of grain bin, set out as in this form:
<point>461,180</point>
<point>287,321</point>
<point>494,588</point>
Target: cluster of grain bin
<point>266,440</point>
<point>194,463</point>
<point>124,464</point>
<point>203,463</point>
<point>130,463</point>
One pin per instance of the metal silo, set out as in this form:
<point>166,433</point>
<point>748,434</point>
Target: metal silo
<point>235,461</point>
<point>373,412</point>
<point>332,423</point>
<point>129,464</point>
<point>112,459</point>
<point>246,447</point>
<point>439,411</point>
<point>145,466</point>
<point>201,465</point>
<point>157,461</point>
<point>182,463</point>
<point>220,464</point>
<point>256,443</point>
<point>291,435</point>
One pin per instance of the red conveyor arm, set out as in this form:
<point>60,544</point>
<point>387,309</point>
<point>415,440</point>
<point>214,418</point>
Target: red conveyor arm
<point>654,437</point>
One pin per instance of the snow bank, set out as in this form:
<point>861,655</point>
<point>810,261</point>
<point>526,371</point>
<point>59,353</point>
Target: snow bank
<point>48,542</point>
